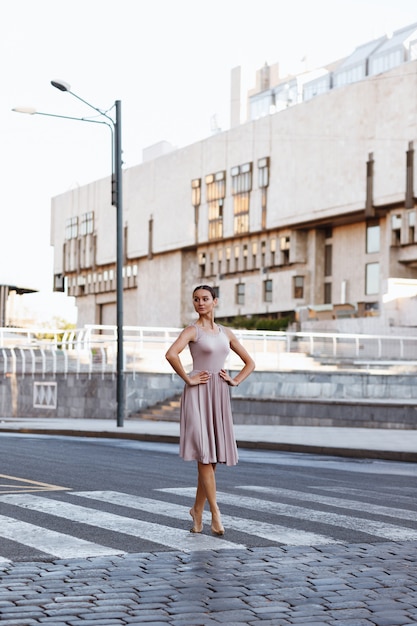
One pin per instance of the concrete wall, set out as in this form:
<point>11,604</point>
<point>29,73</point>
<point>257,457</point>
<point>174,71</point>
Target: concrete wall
<point>81,396</point>
<point>336,412</point>
<point>316,399</point>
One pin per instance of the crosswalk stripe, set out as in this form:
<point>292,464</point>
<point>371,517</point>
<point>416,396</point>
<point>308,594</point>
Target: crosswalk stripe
<point>49,541</point>
<point>157,533</point>
<point>65,546</point>
<point>353,505</point>
<point>272,532</point>
<point>400,496</point>
<point>370,527</point>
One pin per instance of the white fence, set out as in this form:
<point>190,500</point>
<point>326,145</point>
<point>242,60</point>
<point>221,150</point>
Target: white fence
<point>93,350</point>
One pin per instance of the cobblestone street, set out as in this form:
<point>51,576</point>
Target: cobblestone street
<point>347,585</point>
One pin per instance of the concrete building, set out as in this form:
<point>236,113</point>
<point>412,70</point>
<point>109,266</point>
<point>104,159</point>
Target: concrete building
<point>307,211</point>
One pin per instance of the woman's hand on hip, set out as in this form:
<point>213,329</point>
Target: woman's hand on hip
<point>201,378</point>
<point>227,378</point>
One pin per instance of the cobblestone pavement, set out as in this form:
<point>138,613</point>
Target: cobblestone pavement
<point>347,585</point>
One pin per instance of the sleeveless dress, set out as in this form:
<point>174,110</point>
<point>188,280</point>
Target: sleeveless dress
<point>206,422</point>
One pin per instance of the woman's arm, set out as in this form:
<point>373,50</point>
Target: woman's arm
<point>173,358</point>
<point>249,363</point>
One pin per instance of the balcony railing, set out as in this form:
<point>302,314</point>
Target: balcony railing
<point>92,349</point>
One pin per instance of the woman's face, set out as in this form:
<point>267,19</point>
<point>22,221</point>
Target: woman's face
<point>203,301</point>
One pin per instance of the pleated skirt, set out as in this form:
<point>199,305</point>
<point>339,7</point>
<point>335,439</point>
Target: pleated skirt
<point>206,423</point>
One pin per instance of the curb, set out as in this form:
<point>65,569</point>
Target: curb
<point>387,455</point>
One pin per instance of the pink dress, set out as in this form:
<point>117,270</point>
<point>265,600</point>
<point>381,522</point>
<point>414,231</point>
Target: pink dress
<point>206,422</point>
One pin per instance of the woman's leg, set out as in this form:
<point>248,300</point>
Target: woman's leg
<point>196,511</point>
<point>207,487</point>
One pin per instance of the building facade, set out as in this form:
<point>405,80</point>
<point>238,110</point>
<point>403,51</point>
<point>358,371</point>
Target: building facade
<point>307,213</point>
<point>273,92</point>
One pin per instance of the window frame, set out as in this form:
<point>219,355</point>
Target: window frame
<point>216,194</point>
<point>370,229</point>
<point>240,294</point>
<point>268,290</point>
<point>298,289</point>
<point>242,180</point>
<point>370,280</point>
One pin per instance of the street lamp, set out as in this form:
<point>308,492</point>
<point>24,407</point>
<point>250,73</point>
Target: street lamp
<point>117,201</point>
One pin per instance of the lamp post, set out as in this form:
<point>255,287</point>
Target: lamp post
<point>117,201</point>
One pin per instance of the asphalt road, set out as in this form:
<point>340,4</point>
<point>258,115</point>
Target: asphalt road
<point>72,497</point>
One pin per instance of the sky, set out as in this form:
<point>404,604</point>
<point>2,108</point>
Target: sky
<point>169,63</point>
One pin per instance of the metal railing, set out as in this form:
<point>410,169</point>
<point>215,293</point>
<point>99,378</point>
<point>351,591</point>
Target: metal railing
<point>92,349</point>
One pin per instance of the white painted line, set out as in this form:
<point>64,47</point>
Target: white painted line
<point>400,495</point>
<point>353,505</point>
<point>370,527</point>
<point>176,538</point>
<point>3,560</point>
<point>49,541</point>
<point>272,532</point>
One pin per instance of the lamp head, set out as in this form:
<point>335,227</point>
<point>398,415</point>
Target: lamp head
<point>61,85</point>
<point>27,110</point>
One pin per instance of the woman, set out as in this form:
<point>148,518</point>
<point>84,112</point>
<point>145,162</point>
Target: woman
<point>206,424</point>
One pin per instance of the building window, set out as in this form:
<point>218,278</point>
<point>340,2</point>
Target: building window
<point>263,172</point>
<point>371,278</point>
<point>298,283</point>
<point>59,282</point>
<point>216,193</point>
<point>245,256</point>
<point>285,250</point>
<point>219,260</point>
<point>411,226</point>
<point>71,228</point>
<point>228,256</point>
<point>87,223</point>
<point>396,229</point>
<point>327,293</point>
<point>328,253</point>
<point>86,250</point>
<point>211,264</point>
<point>273,249</point>
<point>263,253</point>
<point>385,62</point>
<point>372,238</point>
<point>202,264</point>
<point>241,188</point>
<point>254,254</point>
<point>263,183</point>
<point>196,201</point>
<point>240,293</point>
<point>196,192</point>
<point>268,290</point>
<point>350,75</point>
<point>237,254</point>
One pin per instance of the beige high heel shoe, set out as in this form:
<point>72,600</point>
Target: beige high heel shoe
<point>217,529</point>
<point>197,526</point>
